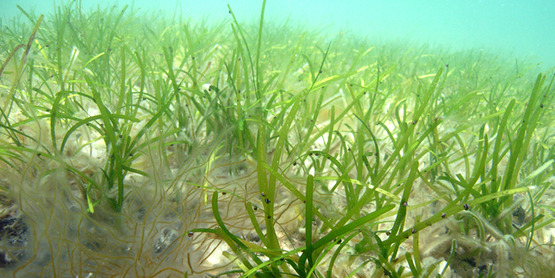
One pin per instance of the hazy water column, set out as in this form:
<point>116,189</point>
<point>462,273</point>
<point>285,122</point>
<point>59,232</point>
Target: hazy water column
<point>514,28</point>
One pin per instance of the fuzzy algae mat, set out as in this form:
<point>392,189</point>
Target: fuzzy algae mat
<point>137,147</point>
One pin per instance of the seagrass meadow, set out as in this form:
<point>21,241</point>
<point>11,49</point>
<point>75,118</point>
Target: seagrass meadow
<point>135,145</point>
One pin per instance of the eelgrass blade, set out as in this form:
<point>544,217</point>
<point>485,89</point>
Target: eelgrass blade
<point>273,261</point>
<point>453,208</point>
<point>402,212</point>
<point>450,259</point>
<point>238,247</point>
<point>283,180</point>
<point>337,252</point>
<point>521,142</point>
<point>342,230</point>
<point>308,219</point>
<point>117,154</point>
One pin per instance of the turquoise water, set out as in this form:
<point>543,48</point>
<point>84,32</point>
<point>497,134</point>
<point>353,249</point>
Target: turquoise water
<point>515,29</point>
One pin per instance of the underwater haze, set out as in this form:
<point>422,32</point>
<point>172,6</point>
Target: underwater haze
<point>514,29</point>
<point>277,139</point>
